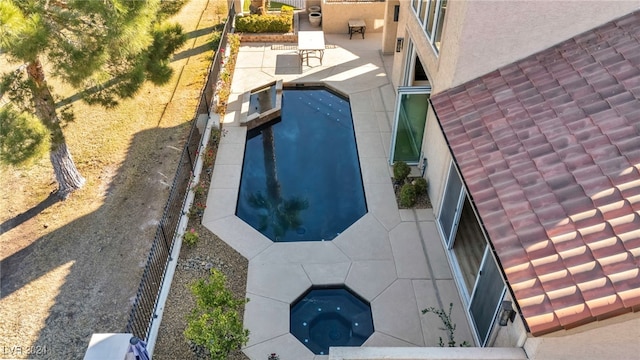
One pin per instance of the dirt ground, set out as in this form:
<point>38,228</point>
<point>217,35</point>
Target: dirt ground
<point>70,269</point>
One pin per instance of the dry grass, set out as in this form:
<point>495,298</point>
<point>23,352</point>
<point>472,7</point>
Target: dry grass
<point>73,268</point>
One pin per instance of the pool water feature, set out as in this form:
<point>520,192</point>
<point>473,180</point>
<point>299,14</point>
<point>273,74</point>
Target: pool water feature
<point>262,100</point>
<point>262,104</point>
<point>326,317</point>
<point>301,177</point>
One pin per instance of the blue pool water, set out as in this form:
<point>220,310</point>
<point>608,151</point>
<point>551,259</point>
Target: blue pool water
<point>301,177</point>
<point>330,317</point>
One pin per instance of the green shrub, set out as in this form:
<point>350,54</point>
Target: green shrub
<point>223,87</point>
<point>216,36</point>
<point>407,195</point>
<point>191,237</point>
<point>196,209</point>
<point>267,23</point>
<point>400,171</point>
<point>420,185</point>
<point>215,322</point>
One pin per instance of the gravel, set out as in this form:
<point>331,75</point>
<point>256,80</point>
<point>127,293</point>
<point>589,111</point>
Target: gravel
<point>422,200</point>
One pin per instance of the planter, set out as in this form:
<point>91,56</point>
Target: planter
<point>291,37</point>
<point>315,18</point>
<point>314,8</point>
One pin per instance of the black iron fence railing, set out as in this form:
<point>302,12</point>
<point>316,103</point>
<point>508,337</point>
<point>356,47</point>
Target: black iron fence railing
<point>143,312</point>
<point>352,1</point>
<point>298,4</point>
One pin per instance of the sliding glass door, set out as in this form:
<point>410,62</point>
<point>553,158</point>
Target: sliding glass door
<point>486,298</point>
<point>451,203</point>
<point>477,275</point>
<point>408,128</point>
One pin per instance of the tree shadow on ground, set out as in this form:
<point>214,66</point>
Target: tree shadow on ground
<point>82,277</point>
<point>176,57</point>
<point>193,51</point>
<point>202,32</point>
<point>34,211</point>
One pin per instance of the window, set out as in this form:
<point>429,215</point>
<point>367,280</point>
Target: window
<point>437,36</point>
<point>420,6</point>
<point>475,271</point>
<point>431,14</point>
<point>410,120</point>
<point>488,294</point>
<point>451,207</point>
<point>415,4</point>
<point>423,8</point>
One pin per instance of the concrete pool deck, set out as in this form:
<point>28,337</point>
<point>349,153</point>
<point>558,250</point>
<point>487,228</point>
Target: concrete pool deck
<point>392,258</point>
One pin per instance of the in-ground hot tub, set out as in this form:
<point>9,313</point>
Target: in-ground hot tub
<point>325,317</point>
<point>301,177</point>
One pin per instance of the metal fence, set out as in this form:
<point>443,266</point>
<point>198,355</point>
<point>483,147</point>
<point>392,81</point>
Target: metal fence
<point>353,1</point>
<point>298,4</point>
<point>143,311</point>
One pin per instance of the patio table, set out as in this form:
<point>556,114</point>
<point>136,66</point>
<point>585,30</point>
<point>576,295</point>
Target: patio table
<point>310,43</point>
<point>357,26</point>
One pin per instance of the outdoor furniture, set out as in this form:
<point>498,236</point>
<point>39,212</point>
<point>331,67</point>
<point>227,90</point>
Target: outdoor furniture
<point>310,43</point>
<point>356,26</point>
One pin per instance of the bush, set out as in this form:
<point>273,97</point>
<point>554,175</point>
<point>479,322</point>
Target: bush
<point>420,185</point>
<point>223,85</point>
<point>400,171</point>
<point>267,23</point>
<point>199,189</point>
<point>197,209</point>
<point>287,9</point>
<point>216,36</point>
<point>191,237</point>
<point>215,322</point>
<point>407,195</point>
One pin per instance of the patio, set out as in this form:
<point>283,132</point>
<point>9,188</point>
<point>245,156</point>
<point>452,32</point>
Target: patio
<point>392,258</point>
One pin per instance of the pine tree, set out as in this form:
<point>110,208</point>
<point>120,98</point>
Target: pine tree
<point>106,49</point>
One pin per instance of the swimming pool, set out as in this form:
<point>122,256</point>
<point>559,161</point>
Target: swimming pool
<point>327,317</point>
<point>301,177</point>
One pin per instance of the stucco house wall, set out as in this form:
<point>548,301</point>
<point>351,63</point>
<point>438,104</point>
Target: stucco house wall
<point>335,16</point>
<point>477,44</point>
<point>390,28</point>
<point>614,338</point>
<point>474,44</point>
<point>438,157</point>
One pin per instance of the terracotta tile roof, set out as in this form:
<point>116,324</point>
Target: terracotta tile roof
<point>549,148</point>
